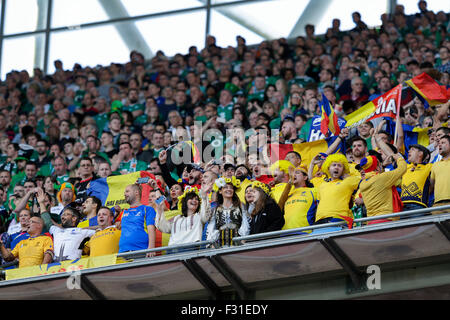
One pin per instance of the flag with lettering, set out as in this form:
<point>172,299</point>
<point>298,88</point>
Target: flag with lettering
<point>313,129</point>
<point>382,106</point>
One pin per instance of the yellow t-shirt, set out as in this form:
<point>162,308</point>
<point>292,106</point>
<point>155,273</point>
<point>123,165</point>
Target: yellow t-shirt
<point>317,181</point>
<point>377,190</point>
<point>353,170</point>
<point>441,176</point>
<point>31,251</point>
<point>300,208</point>
<point>277,191</point>
<point>416,183</point>
<point>104,242</point>
<point>334,197</point>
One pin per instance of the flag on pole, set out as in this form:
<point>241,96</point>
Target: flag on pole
<point>382,106</point>
<point>429,90</point>
<point>329,119</point>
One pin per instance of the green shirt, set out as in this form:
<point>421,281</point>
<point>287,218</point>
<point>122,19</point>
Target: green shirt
<point>132,166</point>
<point>225,111</point>
<point>101,121</point>
<point>133,107</point>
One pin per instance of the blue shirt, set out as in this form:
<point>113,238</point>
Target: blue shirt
<point>17,237</point>
<point>134,224</point>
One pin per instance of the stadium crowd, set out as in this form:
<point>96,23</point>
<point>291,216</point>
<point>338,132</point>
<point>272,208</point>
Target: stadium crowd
<point>61,132</point>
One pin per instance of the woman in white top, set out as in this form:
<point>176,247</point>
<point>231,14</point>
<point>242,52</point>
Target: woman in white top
<point>188,226</point>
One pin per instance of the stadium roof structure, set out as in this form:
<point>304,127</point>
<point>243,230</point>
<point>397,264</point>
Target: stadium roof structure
<point>34,33</point>
<point>410,256</point>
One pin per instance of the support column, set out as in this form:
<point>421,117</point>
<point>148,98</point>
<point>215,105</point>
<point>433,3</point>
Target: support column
<point>127,30</point>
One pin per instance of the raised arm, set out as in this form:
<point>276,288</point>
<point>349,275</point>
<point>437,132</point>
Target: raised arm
<point>161,223</point>
<point>342,135</point>
<point>287,189</point>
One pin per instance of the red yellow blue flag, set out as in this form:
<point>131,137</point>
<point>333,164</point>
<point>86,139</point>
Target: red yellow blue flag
<point>329,119</point>
<point>429,90</point>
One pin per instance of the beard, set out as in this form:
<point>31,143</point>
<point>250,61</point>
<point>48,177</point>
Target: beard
<point>67,224</point>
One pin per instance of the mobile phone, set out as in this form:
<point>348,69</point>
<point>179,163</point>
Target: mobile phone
<point>143,180</point>
<point>160,200</point>
<point>221,120</point>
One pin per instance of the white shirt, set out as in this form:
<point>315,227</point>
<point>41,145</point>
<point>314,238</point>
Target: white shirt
<point>57,209</point>
<point>66,242</point>
<point>14,227</point>
<point>185,229</point>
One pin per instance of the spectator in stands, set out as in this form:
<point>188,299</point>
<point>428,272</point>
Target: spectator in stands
<point>188,226</point>
<point>126,162</point>
<point>106,238</point>
<point>104,169</point>
<point>137,223</point>
<point>280,173</point>
<point>288,130</point>
<point>35,250</point>
<point>89,212</point>
<point>14,237</point>
<point>68,239</point>
<point>265,214</point>
<point>65,196</point>
<point>299,203</point>
<point>359,149</point>
<point>229,218</point>
<point>434,147</point>
<point>378,189</point>
<point>335,194</point>
<point>356,94</point>
<point>416,179</point>
<point>86,173</point>
<point>61,171</point>
<point>440,175</point>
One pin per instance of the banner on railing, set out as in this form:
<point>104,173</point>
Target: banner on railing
<point>63,266</point>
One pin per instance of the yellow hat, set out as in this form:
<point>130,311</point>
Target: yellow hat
<point>335,157</point>
<point>220,182</point>
<point>186,191</point>
<point>283,165</point>
<point>259,184</point>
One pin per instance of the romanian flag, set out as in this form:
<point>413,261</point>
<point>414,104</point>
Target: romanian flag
<point>329,119</point>
<point>385,105</point>
<point>415,135</point>
<point>110,190</point>
<point>429,90</point>
<point>307,150</point>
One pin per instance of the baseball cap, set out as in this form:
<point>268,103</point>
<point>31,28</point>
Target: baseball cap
<point>228,165</point>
